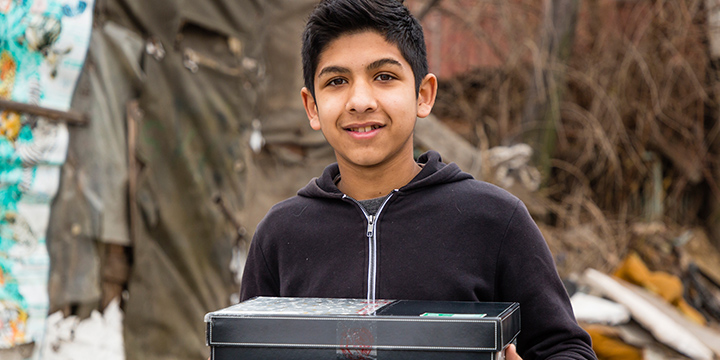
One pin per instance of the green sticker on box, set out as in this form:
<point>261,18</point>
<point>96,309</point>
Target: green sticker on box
<point>455,316</point>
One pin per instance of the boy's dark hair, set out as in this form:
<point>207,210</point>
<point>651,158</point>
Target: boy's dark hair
<point>390,18</point>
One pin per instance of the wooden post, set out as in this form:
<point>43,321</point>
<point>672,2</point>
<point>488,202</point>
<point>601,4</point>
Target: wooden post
<point>542,109</point>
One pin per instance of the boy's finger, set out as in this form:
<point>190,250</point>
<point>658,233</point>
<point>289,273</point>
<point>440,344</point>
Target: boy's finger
<point>511,353</point>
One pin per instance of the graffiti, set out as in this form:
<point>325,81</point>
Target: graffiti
<point>42,50</point>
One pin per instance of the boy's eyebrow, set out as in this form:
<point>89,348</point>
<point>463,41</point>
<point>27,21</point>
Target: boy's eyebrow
<point>334,70</point>
<point>372,66</point>
<point>385,61</point>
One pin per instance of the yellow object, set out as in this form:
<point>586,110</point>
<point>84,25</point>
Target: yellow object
<point>7,74</point>
<point>690,312</point>
<point>607,346</point>
<point>667,286</point>
<point>10,124</point>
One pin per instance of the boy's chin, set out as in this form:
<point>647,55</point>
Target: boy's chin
<point>362,160</point>
<point>371,157</point>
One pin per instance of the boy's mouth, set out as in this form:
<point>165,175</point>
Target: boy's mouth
<point>364,129</point>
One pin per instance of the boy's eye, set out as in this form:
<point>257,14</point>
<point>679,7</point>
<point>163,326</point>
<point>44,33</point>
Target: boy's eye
<point>336,82</point>
<point>385,77</point>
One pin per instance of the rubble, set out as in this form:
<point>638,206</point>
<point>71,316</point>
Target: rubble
<point>658,322</point>
<point>97,337</point>
<point>596,310</point>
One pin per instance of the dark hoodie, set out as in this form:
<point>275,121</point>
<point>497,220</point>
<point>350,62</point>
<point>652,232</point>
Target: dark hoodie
<point>443,236</point>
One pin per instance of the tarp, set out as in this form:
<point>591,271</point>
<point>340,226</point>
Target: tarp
<point>92,206</point>
<point>203,69</point>
<point>221,70</point>
<point>201,73</point>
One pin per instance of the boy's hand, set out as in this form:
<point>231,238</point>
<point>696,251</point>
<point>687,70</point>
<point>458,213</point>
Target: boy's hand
<point>511,353</point>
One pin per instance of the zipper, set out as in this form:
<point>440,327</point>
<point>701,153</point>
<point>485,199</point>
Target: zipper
<point>372,244</point>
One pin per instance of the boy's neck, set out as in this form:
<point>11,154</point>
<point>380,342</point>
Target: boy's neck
<point>363,183</point>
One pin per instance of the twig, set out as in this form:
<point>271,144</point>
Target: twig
<point>241,231</point>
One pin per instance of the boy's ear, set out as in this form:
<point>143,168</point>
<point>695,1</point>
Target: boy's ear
<point>426,95</point>
<point>310,108</point>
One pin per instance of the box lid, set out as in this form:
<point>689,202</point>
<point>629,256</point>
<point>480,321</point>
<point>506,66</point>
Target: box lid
<point>357,323</point>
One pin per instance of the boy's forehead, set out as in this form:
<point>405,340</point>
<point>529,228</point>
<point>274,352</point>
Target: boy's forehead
<point>354,46</point>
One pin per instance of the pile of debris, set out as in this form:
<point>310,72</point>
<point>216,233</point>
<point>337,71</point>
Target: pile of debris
<point>667,310</point>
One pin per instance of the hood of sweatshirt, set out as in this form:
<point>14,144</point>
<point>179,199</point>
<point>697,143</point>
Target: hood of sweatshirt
<point>434,172</point>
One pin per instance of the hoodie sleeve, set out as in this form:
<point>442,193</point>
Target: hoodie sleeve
<point>258,279</point>
<point>527,275</point>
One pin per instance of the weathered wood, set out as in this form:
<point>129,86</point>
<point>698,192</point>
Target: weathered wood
<point>69,117</point>
<point>542,109</point>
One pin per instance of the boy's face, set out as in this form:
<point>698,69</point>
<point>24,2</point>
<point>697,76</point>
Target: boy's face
<point>365,101</point>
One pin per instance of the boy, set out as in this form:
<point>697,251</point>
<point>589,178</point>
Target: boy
<point>378,224</point>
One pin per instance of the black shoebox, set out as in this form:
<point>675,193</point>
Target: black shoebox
<point>356,329</point>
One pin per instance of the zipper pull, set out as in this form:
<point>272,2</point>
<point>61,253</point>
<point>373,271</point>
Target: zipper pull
<point>371,220</point>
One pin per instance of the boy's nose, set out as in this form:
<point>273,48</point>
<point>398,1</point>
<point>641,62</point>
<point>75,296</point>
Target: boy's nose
<point>361,98</point>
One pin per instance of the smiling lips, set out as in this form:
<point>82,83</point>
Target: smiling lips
<point>363,129</point>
